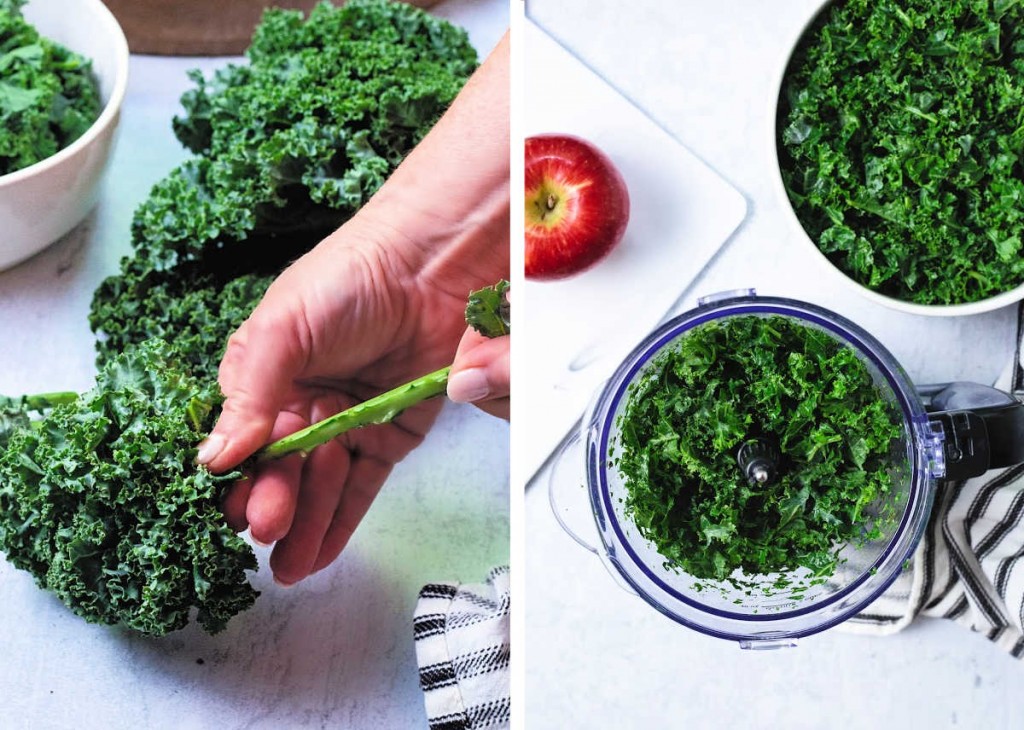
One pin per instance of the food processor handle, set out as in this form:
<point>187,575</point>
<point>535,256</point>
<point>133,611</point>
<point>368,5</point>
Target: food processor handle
<point>560,488</point>
<point>556,481</point>
<point>989,435</point>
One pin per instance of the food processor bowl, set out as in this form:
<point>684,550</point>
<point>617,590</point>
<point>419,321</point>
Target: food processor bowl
<point>765,611</point>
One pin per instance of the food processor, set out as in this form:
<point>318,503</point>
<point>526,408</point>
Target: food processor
<point>949,432</point>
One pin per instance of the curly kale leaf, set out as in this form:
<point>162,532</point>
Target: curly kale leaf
<point>183,221</point>
<point>901,139</point>
<point>750,377</point>
<point>48,95</point>
<point>195,310</point>
<point>288,148</point>
<point>488,310</point>
<point>292,144</point>
<point>14,415</point>
<point>102,502</point>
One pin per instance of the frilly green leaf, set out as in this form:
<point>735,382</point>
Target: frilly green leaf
<point>103,503</point>
<point>488,310</point>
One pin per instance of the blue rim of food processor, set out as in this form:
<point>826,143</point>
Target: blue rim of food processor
<point>910,405</point>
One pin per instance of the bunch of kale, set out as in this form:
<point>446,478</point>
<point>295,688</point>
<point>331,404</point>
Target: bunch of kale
<point>48,95</point>
<point>287,148</point>
<point>101,500</point>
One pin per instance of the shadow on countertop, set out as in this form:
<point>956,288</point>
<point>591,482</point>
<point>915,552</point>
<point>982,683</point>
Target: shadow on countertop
<point>312,655</point>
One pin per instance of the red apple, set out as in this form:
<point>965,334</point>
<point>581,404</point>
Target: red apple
<point>577,206</point>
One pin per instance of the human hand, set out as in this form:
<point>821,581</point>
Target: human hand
<point>480,373</point>
<point>341,325</point>
<point>378,303</point>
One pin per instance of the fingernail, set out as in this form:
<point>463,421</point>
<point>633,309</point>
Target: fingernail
<point>210,448</point>
<point>282,583</point>
<point>468,386</point>
<point>258,542</point>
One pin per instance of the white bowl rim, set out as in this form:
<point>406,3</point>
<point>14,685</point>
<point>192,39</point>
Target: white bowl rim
<point>930,310</point>
<point>107,115</point>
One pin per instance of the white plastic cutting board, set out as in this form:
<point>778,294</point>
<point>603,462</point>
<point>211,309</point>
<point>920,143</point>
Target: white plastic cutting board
<point>578,330</point>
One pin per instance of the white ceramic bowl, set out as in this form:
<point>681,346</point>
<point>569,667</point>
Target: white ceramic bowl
<point>933,310</point>
<point>42,202</point>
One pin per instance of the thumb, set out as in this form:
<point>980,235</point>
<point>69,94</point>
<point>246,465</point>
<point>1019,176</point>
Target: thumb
<point>260,364</point>
<point>481,369</point>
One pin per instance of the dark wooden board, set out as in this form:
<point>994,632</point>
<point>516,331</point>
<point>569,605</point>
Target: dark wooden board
<point>197,27</point>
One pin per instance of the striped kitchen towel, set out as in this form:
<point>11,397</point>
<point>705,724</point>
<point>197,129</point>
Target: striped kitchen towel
<point>969,566</point>
<point>462,647</point>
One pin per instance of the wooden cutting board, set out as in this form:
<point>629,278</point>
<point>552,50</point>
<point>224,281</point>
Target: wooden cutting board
<point>198,27</point>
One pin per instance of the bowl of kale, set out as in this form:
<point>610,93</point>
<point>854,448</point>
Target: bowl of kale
<point>899,136</point>
<point>63,76</point>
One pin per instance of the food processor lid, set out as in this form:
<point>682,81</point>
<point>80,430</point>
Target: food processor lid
<point>920,462</point>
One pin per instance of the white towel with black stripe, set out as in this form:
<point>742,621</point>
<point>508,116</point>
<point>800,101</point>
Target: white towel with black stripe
<point>969,566</point>
<point>462,647</point>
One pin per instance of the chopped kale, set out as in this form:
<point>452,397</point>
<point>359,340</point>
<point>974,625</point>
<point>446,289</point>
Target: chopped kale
<point>747,377</point>
<point>902,145</point>
<point>48,95</point>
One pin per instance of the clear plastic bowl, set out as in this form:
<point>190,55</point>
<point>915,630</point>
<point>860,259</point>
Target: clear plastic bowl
<point>756,619</point>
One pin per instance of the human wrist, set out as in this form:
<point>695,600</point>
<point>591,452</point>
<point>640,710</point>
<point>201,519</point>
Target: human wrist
<point>449,200</point>
<point>455,247</point>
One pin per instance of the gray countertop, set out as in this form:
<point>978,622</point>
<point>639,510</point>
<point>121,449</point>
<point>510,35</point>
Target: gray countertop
<point>334,651</point>
<point>600,658</point>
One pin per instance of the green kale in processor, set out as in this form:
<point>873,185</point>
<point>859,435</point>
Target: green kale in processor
<point>748,377</point>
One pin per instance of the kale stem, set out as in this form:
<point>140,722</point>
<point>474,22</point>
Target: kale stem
<point>382,409</point>
<point>487,312</point>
